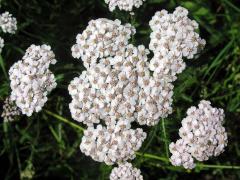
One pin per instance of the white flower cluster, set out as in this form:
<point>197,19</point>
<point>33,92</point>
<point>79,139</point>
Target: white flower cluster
<point>8,23</point>
<point>10,110</point>
<point>120,87</point>
<point>126,5</point>
<point>115,143</point>
<point>31,79</point>
<point>101,38</point>
<point>125,172</point>
<point>1,44</point>
<point>174,37</point>
<point>202,136</point>
<point>109,92</point>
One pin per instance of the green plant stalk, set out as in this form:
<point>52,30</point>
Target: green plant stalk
<point>220,61</point>
<point>219,57</point>
<point>232,5</point>
<point>151,156</point>
<point>3,67</point>
<point>60,118</point>
<point>148,143</point>
<point>165,137</point>
<point>141,154</point>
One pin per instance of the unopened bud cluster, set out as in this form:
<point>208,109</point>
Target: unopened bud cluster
<point>202,136</point>
<point>31,79</point>
<point>10,110</point>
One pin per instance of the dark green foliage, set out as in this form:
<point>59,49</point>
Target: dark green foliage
<point>48,144</point>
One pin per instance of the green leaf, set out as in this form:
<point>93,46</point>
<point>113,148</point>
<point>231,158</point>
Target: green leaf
<point>3,67</point>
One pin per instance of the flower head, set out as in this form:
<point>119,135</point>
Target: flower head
<point>8,23</point>
<point>102,38</point>
<point>174,37</point>
<point>115,143</point>
<point>120,87</point>
<point>125,172</point>
<point>202,136</point>
<point>31,79</point>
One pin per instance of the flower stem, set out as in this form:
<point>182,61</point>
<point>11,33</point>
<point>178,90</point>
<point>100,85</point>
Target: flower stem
<point>151,156</point>
<point>165,137</point>
<point>60,118</point>
<point>145,155</point>
<point>217,166</point>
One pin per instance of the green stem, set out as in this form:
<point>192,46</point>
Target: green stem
<point>60,118</point>
<point>141,154</point>
<point>218,59</point>
<point>3,67</point>
<point>232,5</point>
<point>217,166</point>
<point>165,137</point>
<point>151,156</point>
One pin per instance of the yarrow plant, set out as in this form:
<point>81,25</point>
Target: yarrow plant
<point>126,5</point>
<point>121,85</point>
<point>121,89</point>
<point>31,79</point>
<point>202,136</point>
<point>8,24</point>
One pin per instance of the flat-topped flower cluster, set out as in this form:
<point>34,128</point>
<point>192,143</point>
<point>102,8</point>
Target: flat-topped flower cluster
<point>121,85</point>
<point>202,136</point>
<point>174,37</point>
<point>115,143</point>
<point>31,79</point>
<point>107,93</point>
